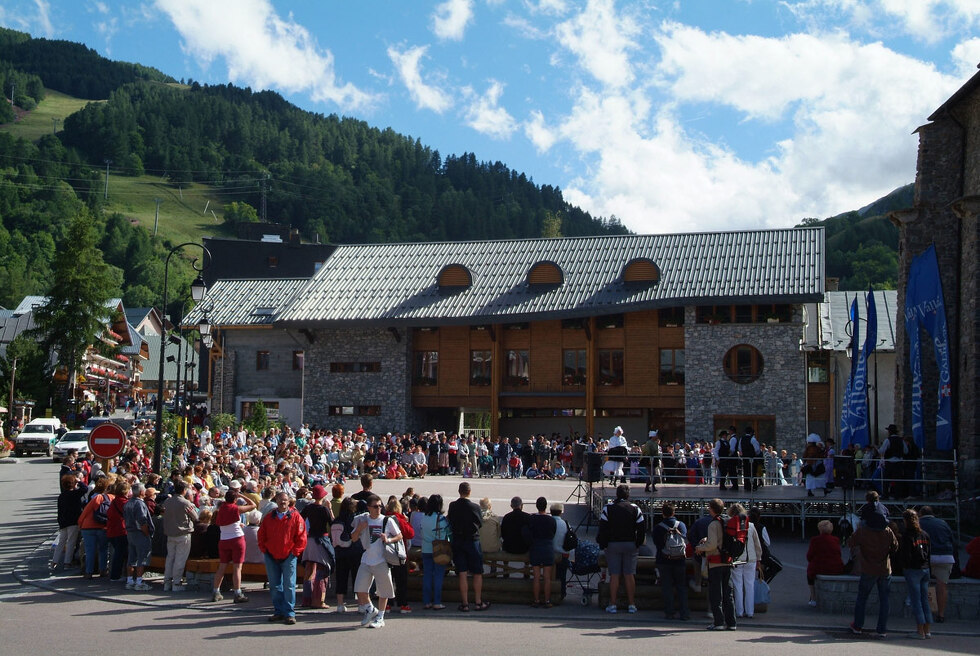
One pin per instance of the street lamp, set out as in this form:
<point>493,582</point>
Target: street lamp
<point>198,289</point>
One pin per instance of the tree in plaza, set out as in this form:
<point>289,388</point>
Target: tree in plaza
<point>75,313</point>
<point>259,421</point>
<point>32,379</point>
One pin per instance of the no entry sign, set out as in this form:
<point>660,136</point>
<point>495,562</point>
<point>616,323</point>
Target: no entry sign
<point>107,440</point>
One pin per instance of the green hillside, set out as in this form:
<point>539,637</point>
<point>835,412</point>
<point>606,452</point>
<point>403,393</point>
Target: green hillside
<point>49,114</point>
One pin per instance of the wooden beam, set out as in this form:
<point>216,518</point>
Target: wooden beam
<point>591,367</point>
<point>496,374</point>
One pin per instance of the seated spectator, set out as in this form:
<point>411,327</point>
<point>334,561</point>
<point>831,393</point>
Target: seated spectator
<point>252,553</point>
<point>199,538</point>
<point>490,530</point>
<point>512,528</point>
<point>531,471</point>
<point>823,556</point>
<point>560,473</point>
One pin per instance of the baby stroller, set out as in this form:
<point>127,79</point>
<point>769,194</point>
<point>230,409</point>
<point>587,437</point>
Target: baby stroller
<point>584,567</point>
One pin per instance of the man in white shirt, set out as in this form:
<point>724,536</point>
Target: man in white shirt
<point>374,532</point>
<point>618,449</point>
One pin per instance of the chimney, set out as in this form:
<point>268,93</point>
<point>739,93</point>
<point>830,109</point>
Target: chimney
<point>833,284</point>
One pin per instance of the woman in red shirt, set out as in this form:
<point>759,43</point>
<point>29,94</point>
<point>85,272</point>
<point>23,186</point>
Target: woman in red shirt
<point>823,557</point>
<point>231,548</point>
<point>115,530</point>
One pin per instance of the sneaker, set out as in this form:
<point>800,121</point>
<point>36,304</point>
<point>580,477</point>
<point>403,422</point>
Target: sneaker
<point>731,628</point>
<point>341,608</point>
<point>812,603</point>
<point>241,598</point>
<point>377,624</point>
<point>130,585</point>
<point>142,587</point>
<point>880,636</point>
<point>289,621</point>
<point>631,608</point>
<point>217,596</point>
<point>168,586</point>
<point>179,587</point>
<point>611,608</point>
<point>405,609</point>
<point>854,629</point>
<point>369,615</point>
<point>276,618</point>
<point>716,627</point>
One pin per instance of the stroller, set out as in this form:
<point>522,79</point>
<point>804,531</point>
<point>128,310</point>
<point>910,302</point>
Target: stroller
<point>584,567</point>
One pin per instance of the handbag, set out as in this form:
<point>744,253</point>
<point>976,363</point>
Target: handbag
<point>442,551</point>
<point>771,566</point>
<point>394,551</point>
<point>763,595</point>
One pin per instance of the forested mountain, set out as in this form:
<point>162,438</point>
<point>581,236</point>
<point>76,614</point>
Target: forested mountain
<point>862,245</point>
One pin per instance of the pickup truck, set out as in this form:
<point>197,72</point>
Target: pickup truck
<point>39,436</point>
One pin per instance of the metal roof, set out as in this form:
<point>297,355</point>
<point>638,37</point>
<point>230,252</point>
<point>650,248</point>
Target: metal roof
<point>396,283</point>
<point>151,366</point>
<point>244,302</point>
<point>829,321</point>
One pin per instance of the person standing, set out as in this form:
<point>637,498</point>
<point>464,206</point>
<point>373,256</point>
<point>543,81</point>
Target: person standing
<point>746,566</point>
<point>541,529</point>
<point>282,539</point>
<point>622,531</point>
<point>231,547</point>
<point>724,456</point>
<point>618,451</point>
<point>874,542</point>
<point>69,510</point>
<point>179,515</point>
<point>434,526</point>
<point>720,593</point>
<point>318,557</point>
<point>672,566</point>
<point>561,530</point>
<point>941,559</point>
<point>347,552</point>
<point>374,531</point>
<point>748,450</point>
<point>913,554</point>
<point>652,460</point>
<point>139,534</point>
<point>465,522</point>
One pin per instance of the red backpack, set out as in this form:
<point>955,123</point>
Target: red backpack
<point>735,533</point>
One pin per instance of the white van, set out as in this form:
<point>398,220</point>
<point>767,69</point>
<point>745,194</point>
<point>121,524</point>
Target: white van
<point>38,436</point>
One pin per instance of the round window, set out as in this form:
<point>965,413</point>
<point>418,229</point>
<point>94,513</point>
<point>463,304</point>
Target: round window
<point>743,364</point>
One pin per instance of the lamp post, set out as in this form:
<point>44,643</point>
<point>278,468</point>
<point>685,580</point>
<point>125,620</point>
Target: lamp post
<point>198,289</point>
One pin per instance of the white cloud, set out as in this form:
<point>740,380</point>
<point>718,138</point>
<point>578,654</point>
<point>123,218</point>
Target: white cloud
<point>426,96</point>
<point>539,133</point>
<point>926,20</point>
<point>554,7</point>
<point>966,56</point>
<point>44,17</point>
<point>260,48</point>
<point>450,19</point>
<point>847,110</point>
<point>602,41</point>
<point>486,116</point>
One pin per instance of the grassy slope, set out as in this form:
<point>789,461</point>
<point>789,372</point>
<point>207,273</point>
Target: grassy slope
<point>181,218</point>
<point>34,124</point>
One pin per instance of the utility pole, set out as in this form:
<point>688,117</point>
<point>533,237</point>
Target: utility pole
<point>13,374</point>
<point>107,163</point>
<point>12,87</point>
<point>54,125</point>
<point>264,184</point>
<point>156,217</point>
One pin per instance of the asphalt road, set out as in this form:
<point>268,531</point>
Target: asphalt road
<point>36,620</point>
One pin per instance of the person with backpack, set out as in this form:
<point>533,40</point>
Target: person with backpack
<point>726,463</point>
<point>746,566</point>
<point>748,451</point>
<point>670,538</point>
<point>347,552</point>
<point>718,547</point>
<point>914,551</point>
<point>92,523</point>
<point>565,542</point>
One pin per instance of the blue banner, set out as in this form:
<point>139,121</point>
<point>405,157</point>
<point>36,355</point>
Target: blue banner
<point>858,406</point>
<point>924,306</point>
<point>846,420</point>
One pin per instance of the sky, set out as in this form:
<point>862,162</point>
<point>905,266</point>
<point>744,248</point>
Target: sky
<point>690,115</point>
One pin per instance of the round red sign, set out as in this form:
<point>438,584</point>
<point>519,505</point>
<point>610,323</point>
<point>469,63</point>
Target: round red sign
<point>107,440</point>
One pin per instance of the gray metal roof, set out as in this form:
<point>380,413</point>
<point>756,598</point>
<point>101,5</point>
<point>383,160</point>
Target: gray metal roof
<point>396,283</point>
<point>151,367</point>
<point>828,321</point>
<point>245,302</point>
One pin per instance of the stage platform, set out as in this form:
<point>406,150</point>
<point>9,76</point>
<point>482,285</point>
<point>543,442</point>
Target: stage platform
<point>780,504</point>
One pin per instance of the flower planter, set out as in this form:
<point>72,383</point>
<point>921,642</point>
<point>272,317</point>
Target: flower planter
<point>772,320</point>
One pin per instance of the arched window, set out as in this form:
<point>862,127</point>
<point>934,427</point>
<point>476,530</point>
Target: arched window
<point>545,273</point>
<point>743,364</point>
<point>455,276</point>
<point>641,270</point>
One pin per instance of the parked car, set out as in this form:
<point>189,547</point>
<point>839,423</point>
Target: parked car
<point>92,422</point>
<point>73,439</point>
<point>39,436</point>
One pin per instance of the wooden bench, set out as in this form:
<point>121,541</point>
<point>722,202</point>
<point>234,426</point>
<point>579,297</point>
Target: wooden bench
<point>200,571</point>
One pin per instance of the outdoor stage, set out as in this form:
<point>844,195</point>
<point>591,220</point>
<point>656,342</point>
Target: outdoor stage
<point>780,504</point>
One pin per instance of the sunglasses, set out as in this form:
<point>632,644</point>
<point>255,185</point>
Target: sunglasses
<point>374,505</point>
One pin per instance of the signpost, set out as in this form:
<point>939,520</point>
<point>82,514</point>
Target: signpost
<point>107,440</point>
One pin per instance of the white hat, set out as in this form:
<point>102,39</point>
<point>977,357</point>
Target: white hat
<point>235,484</point>
<point>813,438</point>
<point>652,433</point>
<point>618,429</point>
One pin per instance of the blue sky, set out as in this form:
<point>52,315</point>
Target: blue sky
<point>673,116</point>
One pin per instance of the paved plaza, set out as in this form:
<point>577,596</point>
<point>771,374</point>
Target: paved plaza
<point>40,614</point>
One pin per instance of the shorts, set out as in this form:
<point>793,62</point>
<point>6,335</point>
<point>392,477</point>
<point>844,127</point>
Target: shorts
<point>380,574</point>
<point>232,551</point>
<point>941,571</point>
<point>467,556</point>
<point>139,549</point>
<point>542,554</point>
<point>621,558</point>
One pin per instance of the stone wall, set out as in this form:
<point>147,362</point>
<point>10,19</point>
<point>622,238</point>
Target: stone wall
<point>837,594</point>
<point>390,388</point>
<point>780,390</point>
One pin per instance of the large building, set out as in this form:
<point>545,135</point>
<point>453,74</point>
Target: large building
<point>685,333</point>
<point>946,212</point>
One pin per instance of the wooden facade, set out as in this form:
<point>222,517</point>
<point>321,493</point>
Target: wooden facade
<point>639,336</point>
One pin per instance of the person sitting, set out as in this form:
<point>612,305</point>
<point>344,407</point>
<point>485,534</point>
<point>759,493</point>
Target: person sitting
<point>531,471</point>
<point>490,530</point>
<point>512,528</point>
<point>823,557</point>
<point>252,553</point>
<point>560,471</point>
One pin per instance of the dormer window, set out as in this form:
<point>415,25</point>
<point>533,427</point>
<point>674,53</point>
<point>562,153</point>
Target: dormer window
<point>641,271</point>
<point>263,312</point>
<point>455,277</point>
<point>546,274</point>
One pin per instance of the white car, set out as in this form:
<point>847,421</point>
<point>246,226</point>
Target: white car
<point>74,439</point>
